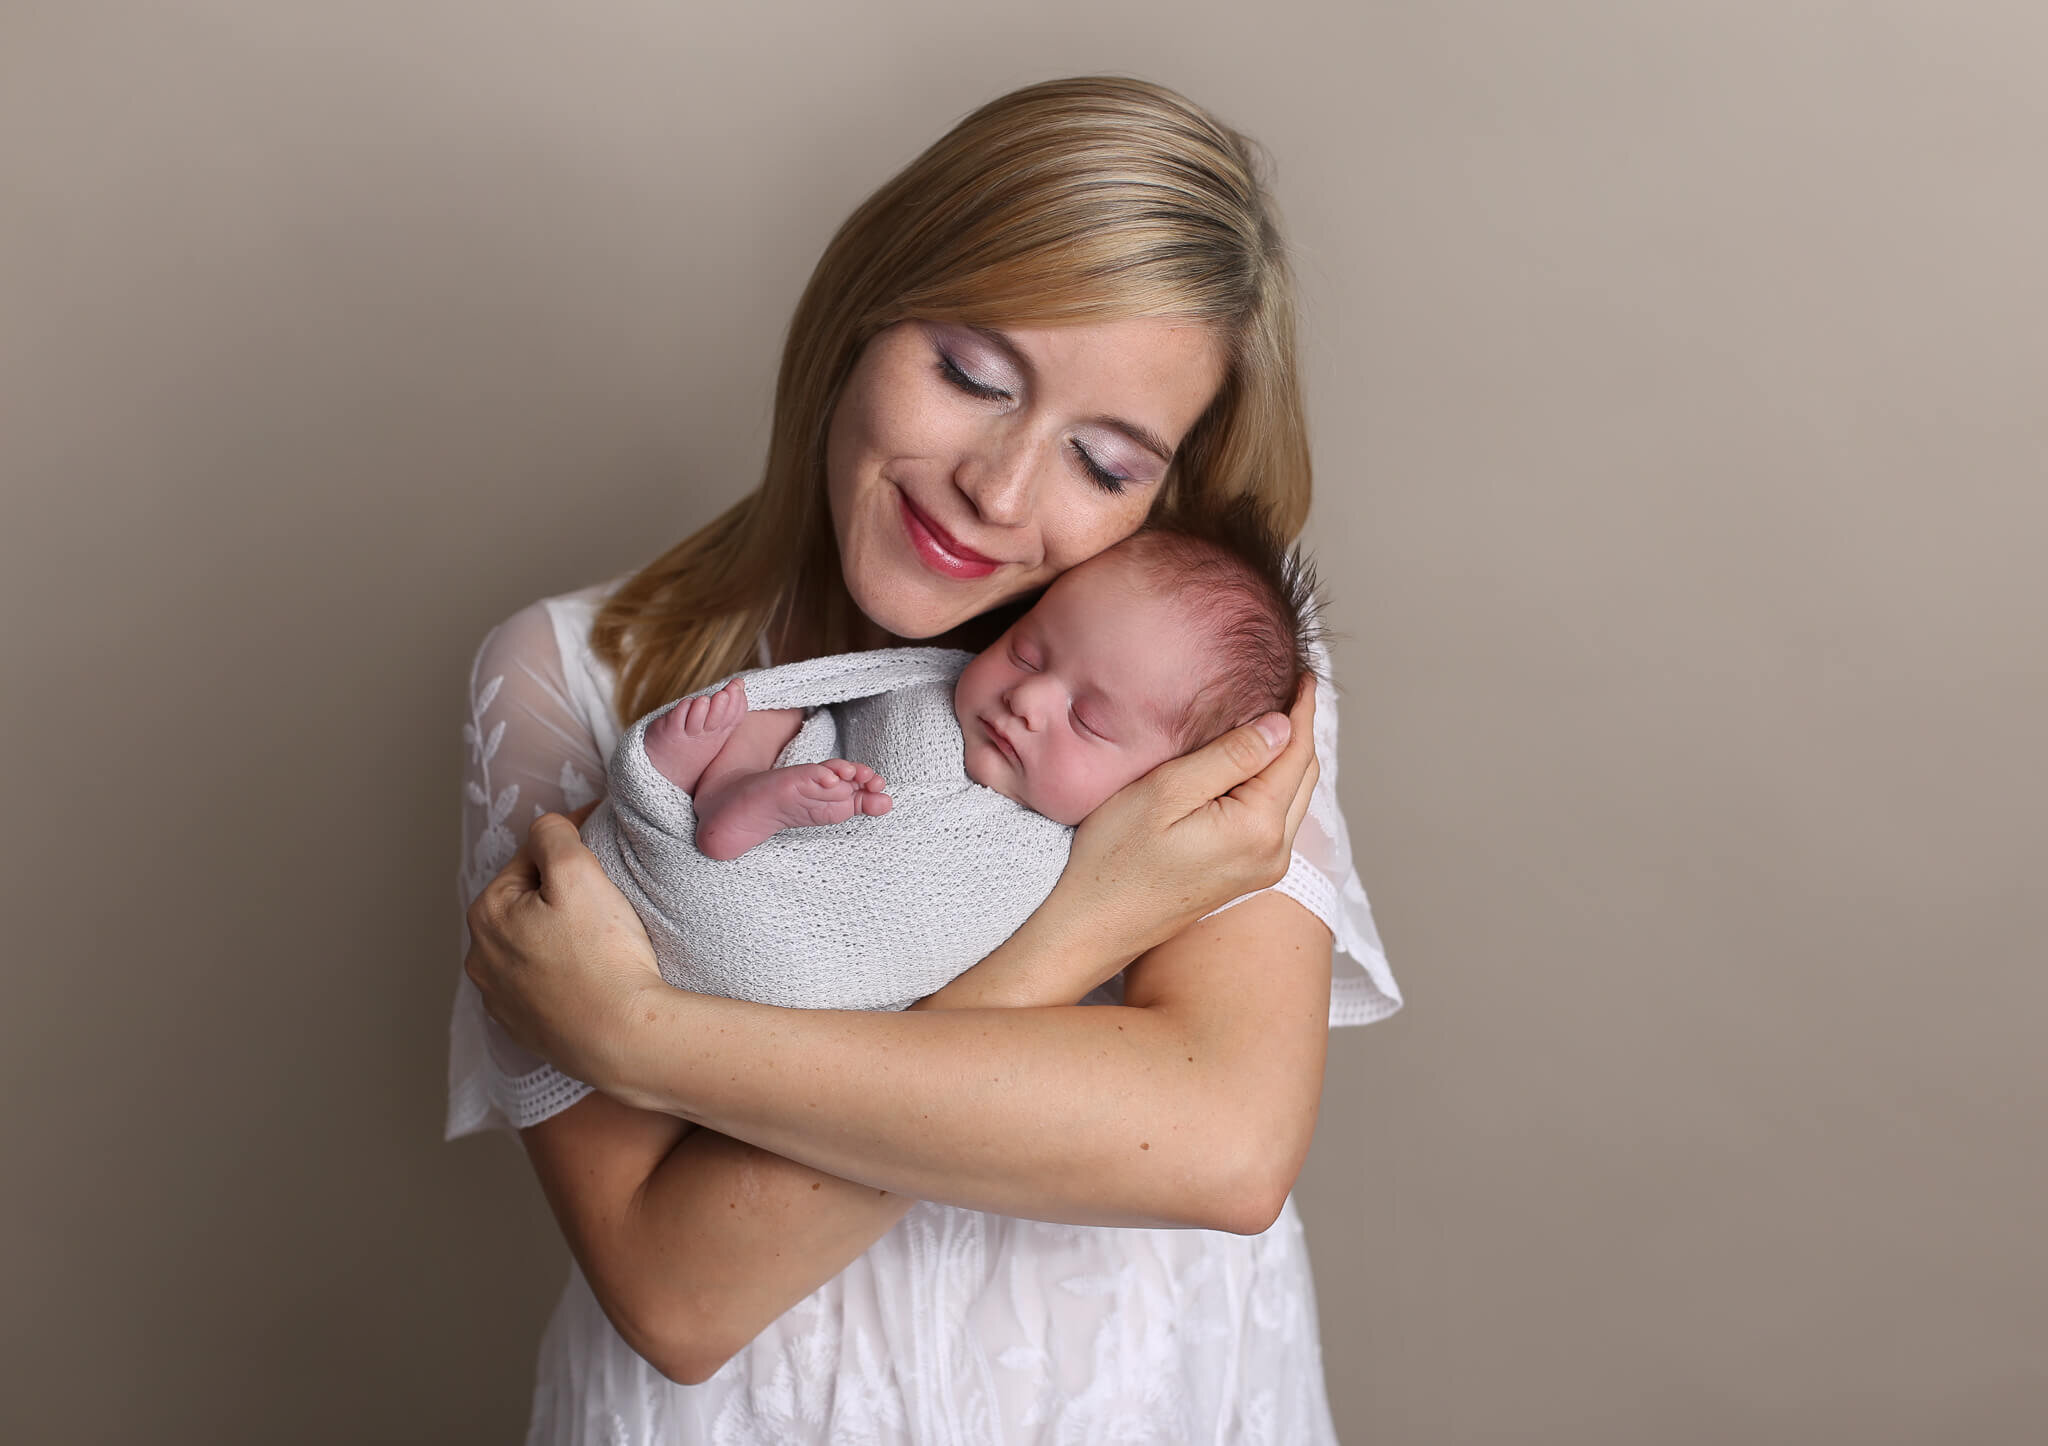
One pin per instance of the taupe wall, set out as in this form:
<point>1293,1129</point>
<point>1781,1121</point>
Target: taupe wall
<point>1678,375</point>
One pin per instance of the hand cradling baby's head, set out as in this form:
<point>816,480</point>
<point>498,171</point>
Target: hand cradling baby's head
<point>1144,652</point>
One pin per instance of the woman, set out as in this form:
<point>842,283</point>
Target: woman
<point>820,1226</point>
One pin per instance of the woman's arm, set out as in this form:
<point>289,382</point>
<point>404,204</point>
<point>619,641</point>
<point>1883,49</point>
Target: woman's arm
<point>1052,1112</point>
<point>693,1241</point>
<point>646,1203</point>
<point>1191,1105</point>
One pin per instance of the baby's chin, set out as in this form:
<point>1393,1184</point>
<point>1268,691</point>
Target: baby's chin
<point>992,771</point>
<point>985,767</point>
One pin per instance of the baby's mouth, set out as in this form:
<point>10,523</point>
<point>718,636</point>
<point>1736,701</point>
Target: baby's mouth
<point>1002,744</point>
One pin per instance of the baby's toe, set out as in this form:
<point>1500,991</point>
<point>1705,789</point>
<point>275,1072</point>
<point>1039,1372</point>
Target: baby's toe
<point>826,781</point>
<point>875,804</point>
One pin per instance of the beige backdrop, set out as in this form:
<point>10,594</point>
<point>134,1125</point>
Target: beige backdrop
<point>1678,384</point>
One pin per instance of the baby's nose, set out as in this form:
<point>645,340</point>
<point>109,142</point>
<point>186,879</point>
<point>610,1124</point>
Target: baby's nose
<point>1025,702</point>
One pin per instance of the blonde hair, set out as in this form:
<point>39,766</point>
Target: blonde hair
<point>1078,200</point>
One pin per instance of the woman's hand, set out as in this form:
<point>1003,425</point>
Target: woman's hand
<point>1189,837</point>
<point>557,952</point>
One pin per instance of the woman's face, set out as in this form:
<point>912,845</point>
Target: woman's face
<point>967,466</point>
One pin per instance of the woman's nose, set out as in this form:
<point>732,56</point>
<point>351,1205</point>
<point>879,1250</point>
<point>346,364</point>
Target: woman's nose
<point>1000,480</point>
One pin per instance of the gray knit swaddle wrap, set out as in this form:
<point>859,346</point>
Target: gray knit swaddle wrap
<point>872,913</point>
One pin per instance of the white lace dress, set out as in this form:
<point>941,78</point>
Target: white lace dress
<point>956,1326</point>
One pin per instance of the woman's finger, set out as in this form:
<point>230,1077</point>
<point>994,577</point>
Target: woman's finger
<point>519,878</point>
<point>558,851</point>
<point>1276,785</point>
<point>523,872</point>
<point>1304,792</point>
<point>1208,773</point>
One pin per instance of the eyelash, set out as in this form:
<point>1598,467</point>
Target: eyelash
<point>950,370</point>
<point>1101,476</point>
<point>1106,480</point>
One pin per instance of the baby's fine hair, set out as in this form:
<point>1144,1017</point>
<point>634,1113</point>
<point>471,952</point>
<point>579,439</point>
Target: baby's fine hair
<point>1252,600</point>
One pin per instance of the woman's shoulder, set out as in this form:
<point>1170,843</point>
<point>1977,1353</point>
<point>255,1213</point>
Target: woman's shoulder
<point>546,646</point>
<point>550,635</point>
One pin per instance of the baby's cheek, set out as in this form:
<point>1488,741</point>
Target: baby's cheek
<point>1118,773</point>
<point>1081,790</point>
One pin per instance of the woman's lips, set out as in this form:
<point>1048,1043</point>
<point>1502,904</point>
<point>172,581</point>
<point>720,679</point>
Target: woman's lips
<point>937,550</point>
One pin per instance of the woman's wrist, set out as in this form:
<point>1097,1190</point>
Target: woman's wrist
<point>633,1051</point>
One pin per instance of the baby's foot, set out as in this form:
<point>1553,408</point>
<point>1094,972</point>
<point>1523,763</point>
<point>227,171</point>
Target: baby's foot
<point>683,740</point>
<point>803,795</point>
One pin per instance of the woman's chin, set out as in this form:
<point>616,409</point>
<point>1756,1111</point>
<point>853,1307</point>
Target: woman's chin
<point>915,613</point>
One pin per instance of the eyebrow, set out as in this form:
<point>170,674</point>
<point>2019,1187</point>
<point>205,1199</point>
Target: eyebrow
<point>1145,437</point>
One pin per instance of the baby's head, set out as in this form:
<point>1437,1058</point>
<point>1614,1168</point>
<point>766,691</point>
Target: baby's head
<point>1146,651</point>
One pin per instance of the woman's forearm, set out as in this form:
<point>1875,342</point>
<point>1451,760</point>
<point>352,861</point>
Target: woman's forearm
<point>694,1242</point>
<point>1191,1105</point>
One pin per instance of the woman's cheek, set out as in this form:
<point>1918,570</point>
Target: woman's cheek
<point>1114,519</point>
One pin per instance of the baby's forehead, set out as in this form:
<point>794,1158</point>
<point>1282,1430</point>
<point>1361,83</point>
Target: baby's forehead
<point>1152,651</point>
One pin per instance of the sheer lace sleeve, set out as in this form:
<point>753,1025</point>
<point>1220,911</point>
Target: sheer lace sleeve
<point>537,735</point>
<point>1322,880</point>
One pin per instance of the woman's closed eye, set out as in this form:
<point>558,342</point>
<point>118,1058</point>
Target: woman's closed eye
<point>952,371</point>
<point>1107,480</point>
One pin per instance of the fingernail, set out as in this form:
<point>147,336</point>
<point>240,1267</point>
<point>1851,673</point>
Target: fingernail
<point>1274,728</point>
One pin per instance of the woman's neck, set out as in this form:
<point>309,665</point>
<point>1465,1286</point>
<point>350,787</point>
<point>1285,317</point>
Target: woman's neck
<point>796,635</point>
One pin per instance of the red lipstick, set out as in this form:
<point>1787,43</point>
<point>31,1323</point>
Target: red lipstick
<point>937,549</point>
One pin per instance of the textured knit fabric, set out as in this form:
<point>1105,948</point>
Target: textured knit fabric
<point>872,913</point>
<point>956,1326</point>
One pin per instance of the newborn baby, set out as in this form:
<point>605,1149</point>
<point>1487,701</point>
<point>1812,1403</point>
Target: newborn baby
<point>1147,651</point>
<point>877,822</point>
